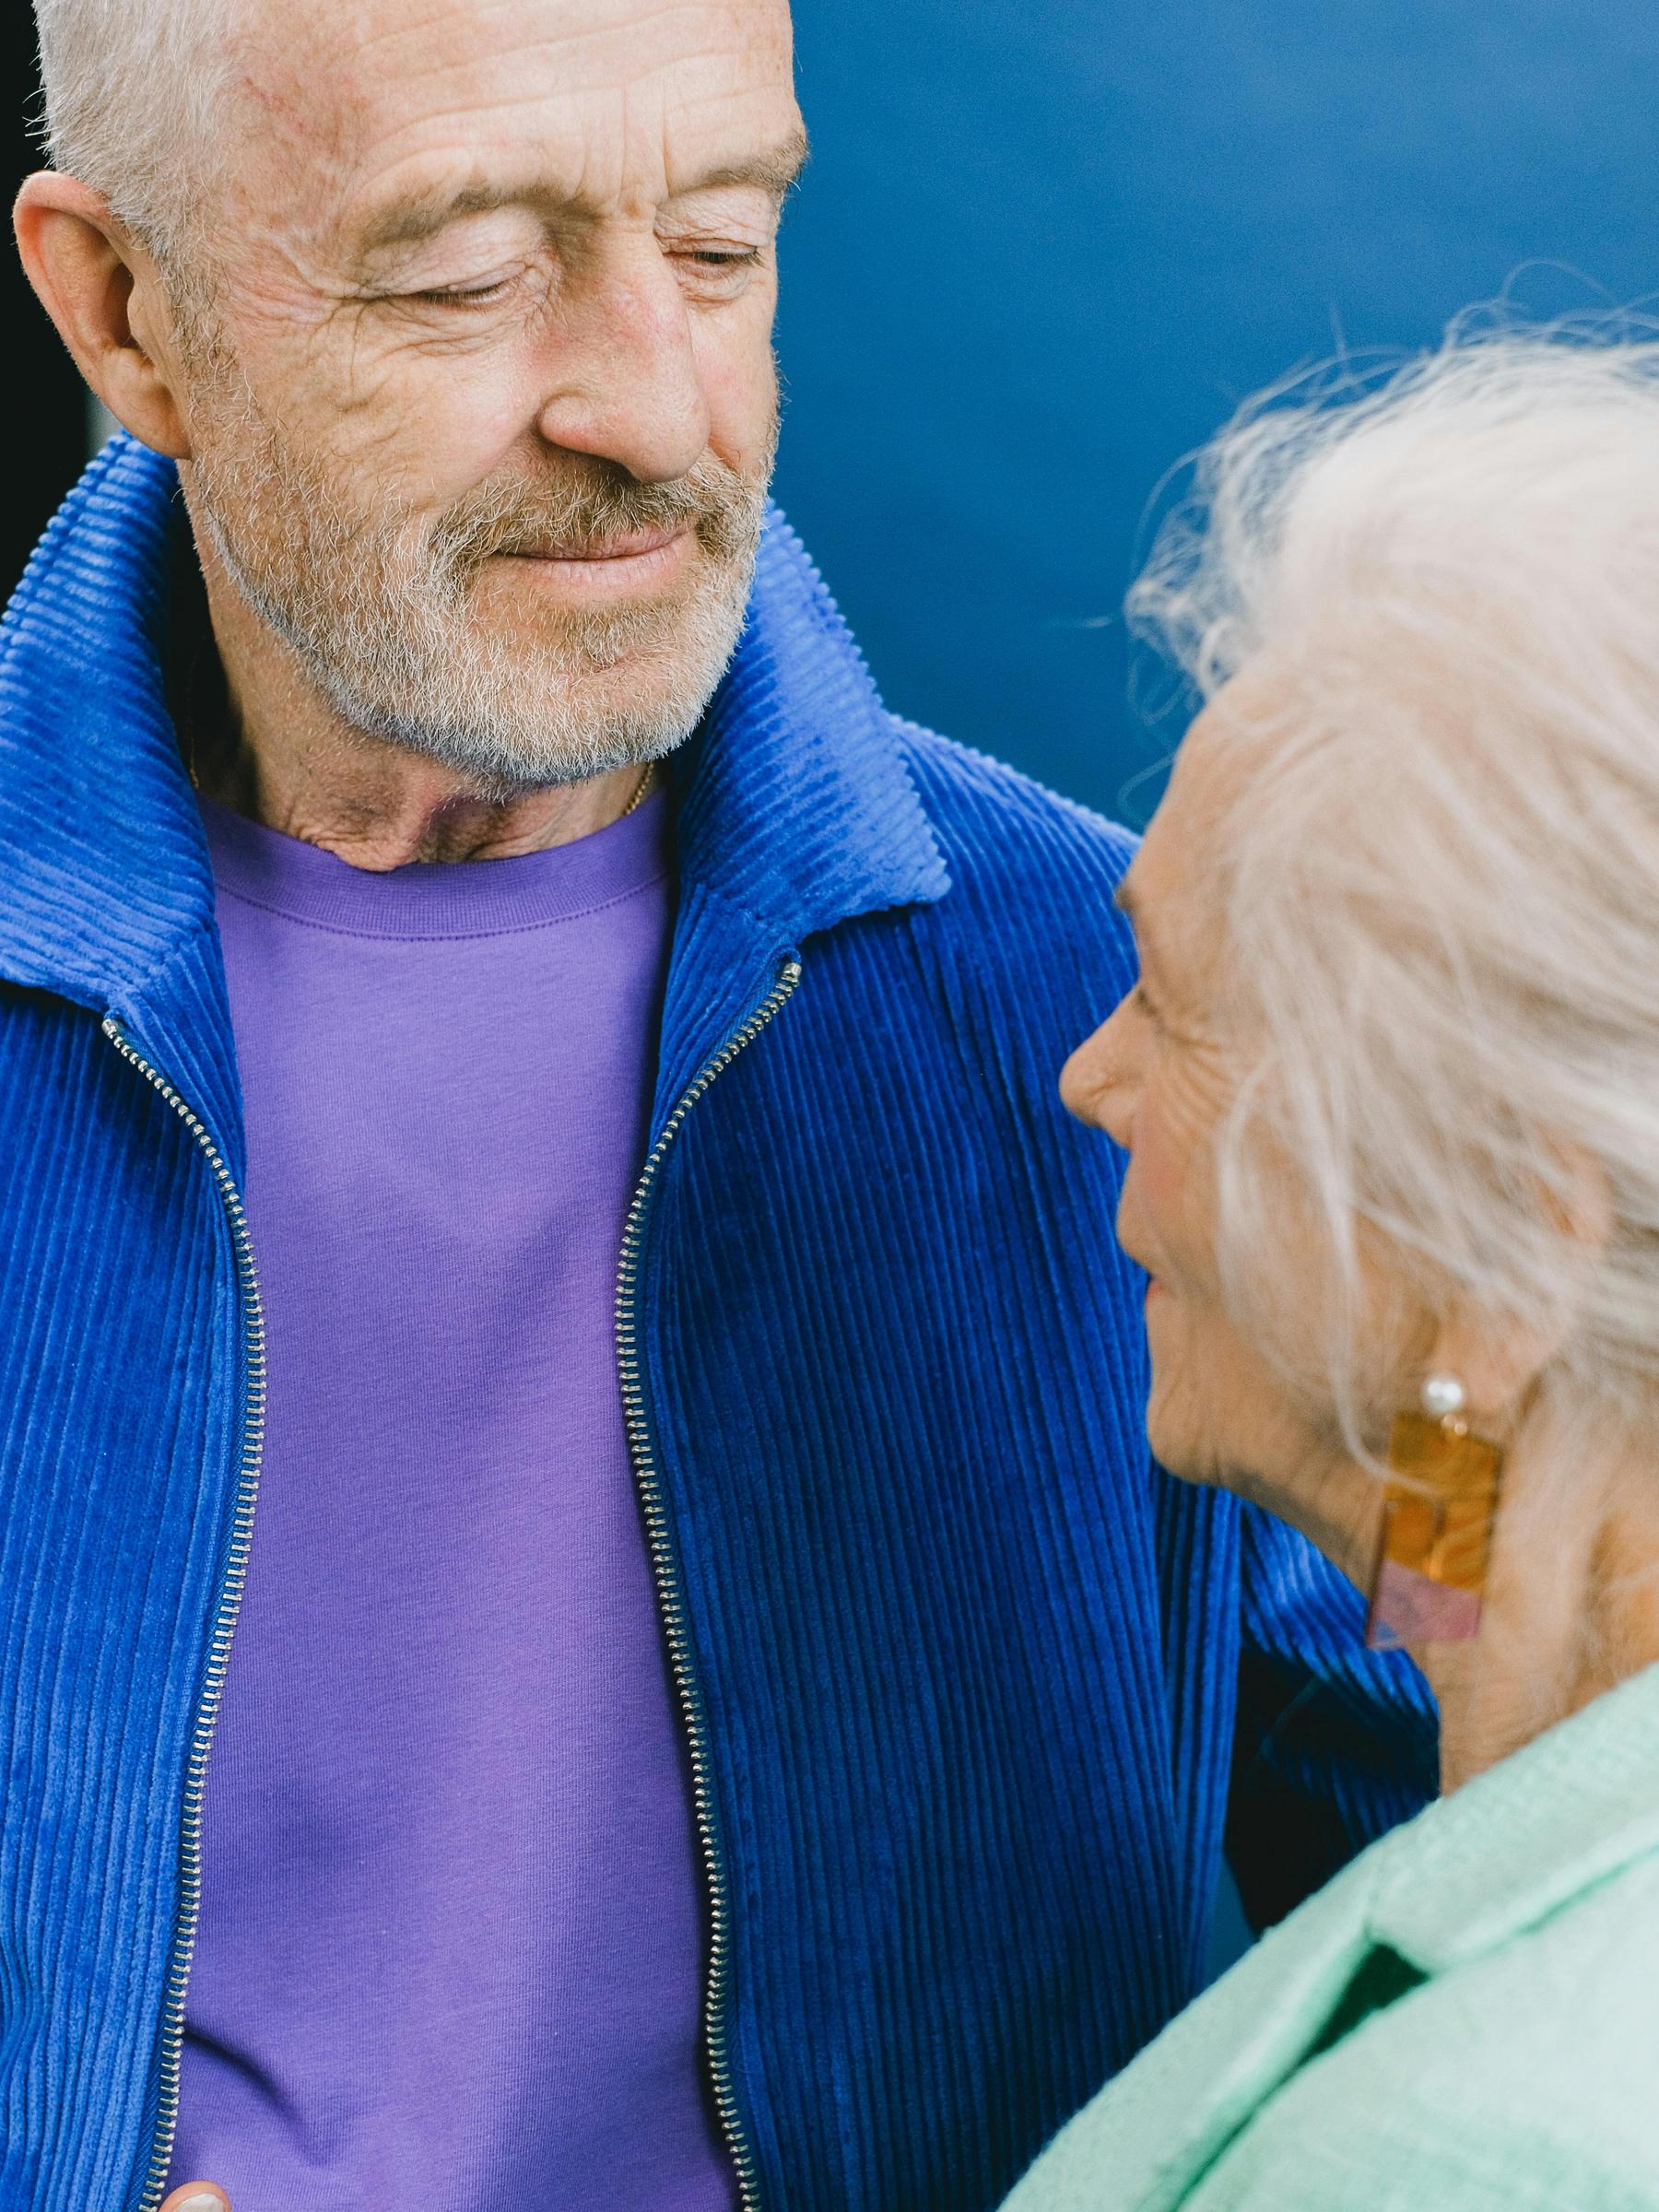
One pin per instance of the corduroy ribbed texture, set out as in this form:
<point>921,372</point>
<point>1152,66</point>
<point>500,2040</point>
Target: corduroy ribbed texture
<point>967,1662</point>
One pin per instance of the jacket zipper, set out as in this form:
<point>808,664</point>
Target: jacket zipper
<point>667,1586</point>
<point>670,1597</point>
<point>224,1629</point>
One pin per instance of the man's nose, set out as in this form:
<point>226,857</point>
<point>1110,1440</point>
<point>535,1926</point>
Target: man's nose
<point>627,383</point>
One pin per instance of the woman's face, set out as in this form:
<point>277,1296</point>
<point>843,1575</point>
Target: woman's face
<point>1159,1078</point>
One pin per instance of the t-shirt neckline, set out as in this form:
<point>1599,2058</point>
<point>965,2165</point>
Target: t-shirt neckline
<point>438,898</point>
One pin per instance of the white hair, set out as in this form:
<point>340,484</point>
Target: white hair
<point>129,92</point>
<point>1441,873</point>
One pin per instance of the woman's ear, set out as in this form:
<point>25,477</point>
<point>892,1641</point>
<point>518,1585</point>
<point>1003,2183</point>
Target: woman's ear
<point>1499,1358</point>
<point>105,294</point>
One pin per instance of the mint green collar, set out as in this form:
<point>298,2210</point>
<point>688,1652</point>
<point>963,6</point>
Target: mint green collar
<point>1578,1804</point>
<point>1508,1849</point>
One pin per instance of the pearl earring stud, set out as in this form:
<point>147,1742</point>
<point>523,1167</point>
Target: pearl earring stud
<point>1444,1397</point>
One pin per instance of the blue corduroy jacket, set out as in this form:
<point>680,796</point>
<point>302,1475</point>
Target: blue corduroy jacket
<point>966,1682</point>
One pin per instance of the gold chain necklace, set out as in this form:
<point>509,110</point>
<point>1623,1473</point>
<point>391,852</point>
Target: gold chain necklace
<point>646,782</point>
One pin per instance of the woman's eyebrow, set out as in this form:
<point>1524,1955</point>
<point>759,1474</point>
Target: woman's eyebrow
<point>1146,936</point>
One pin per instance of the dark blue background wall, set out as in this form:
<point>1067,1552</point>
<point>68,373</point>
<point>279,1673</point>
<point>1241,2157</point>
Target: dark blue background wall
<point>1044,245</point>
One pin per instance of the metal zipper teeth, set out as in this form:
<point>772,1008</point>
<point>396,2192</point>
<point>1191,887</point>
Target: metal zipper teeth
<point>670,1597</point>
<point>224,1629</point>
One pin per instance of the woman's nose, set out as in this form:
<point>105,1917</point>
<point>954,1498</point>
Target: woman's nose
<point>1094,1083</point>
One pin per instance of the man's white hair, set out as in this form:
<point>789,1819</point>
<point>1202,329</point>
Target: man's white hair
<point>131,88</point>
<point>1440,877</point>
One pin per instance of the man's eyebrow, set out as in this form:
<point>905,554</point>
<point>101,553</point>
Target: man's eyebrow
<point>775,171</point>
<point>422,215</point>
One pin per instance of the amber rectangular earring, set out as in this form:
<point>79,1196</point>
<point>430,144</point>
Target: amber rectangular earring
<point>1437,1515</point>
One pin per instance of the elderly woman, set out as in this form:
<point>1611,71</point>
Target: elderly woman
<point>1390,1090</point>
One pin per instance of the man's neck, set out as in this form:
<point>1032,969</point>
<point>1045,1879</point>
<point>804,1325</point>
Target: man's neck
<point>258,737</point>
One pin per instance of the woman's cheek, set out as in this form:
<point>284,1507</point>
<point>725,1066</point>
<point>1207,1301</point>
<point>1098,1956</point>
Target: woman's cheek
<point>1158,1176</point>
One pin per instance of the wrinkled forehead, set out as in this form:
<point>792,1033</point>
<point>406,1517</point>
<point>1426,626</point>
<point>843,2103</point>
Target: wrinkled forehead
<point>597,101</point>
<point>1176,889</point>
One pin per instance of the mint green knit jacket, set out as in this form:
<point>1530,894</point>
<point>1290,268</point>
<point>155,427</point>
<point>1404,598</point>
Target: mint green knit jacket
<point>1465,2021</point>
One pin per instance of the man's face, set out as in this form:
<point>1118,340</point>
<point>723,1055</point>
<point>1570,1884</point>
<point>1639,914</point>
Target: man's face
<point>482,405</point>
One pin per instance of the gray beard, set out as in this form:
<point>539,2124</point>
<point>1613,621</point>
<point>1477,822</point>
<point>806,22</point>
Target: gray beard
<point>378,608</point>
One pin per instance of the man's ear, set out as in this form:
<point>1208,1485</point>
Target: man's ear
<point>105,294</point>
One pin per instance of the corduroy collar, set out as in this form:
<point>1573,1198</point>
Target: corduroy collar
<point>796,804</point>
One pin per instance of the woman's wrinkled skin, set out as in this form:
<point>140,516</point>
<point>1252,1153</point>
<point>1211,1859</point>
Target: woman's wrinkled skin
<point>1571,1605</point>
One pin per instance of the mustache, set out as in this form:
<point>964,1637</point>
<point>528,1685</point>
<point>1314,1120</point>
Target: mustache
<point>583,513</point>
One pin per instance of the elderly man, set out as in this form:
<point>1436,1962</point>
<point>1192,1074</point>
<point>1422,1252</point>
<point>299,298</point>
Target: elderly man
<point>760,1736</point>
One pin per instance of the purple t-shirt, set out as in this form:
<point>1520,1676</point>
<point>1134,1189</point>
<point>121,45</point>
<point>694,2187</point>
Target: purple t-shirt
<point>451,1947</point>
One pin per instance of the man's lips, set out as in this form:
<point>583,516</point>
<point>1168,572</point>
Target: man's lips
<point>638,544</point>
<point>638,566</point>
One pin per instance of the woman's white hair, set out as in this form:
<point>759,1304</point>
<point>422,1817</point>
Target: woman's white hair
<point>131,92</point>
<point>1440,877</point>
